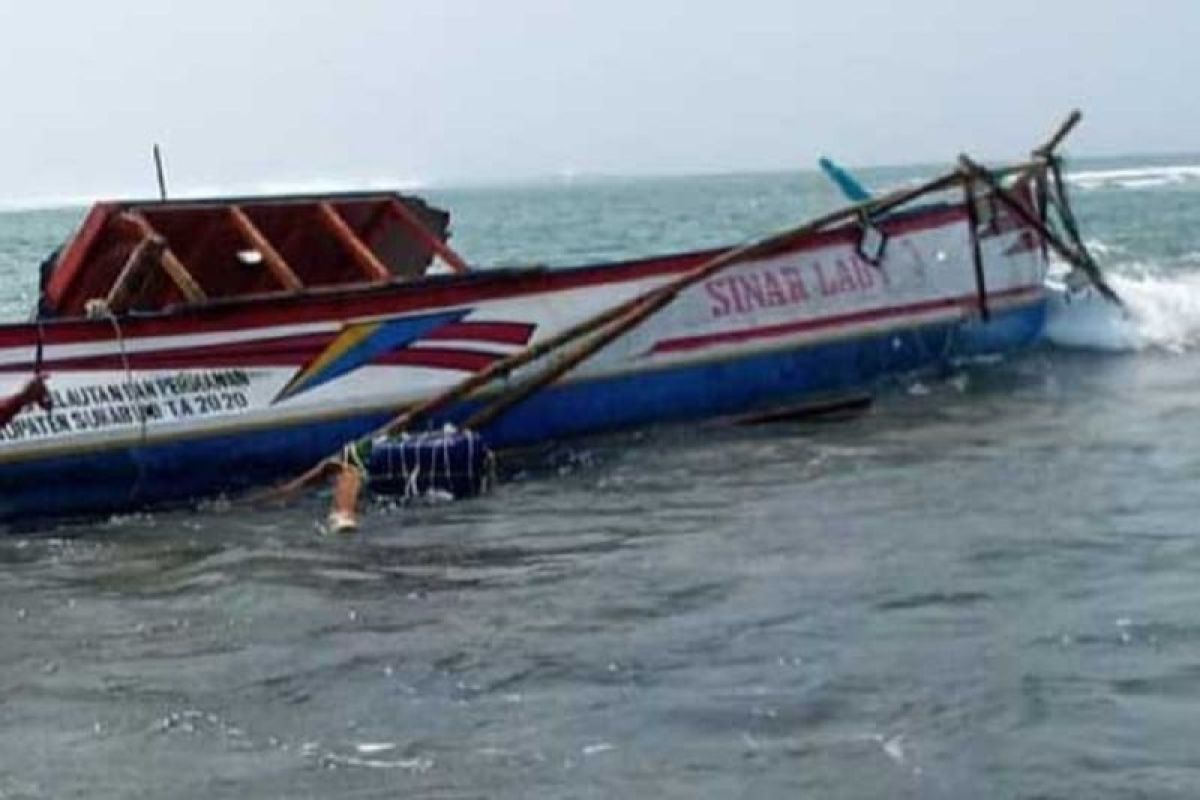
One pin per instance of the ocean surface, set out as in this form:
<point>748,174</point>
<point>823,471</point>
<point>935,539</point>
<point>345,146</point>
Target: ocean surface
<point>988,585</point>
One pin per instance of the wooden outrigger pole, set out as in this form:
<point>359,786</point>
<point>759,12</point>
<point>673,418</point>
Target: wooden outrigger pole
<point>612,323</point>
<point>1077,259</point>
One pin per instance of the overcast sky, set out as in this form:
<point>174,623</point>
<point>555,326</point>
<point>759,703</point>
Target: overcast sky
<point>255,93</point>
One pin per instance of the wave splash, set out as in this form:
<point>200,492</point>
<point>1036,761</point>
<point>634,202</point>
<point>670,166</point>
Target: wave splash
<point>1149,177</point>
<point>1162,313</point>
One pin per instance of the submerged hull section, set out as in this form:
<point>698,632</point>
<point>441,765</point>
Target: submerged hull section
<point>172,406</point>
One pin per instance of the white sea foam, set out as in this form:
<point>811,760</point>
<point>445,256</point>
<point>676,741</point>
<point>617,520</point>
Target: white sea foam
<point>1136,177</point>
<point>1162,313</point>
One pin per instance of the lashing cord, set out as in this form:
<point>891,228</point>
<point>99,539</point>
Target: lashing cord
<point>132,399</point>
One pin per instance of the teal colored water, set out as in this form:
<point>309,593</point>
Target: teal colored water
<point>985,586</point>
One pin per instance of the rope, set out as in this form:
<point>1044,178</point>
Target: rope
<point>1065,212</point>
<point>435,468</point>
<point>357,454</point>
<point>1070,226</point>
<point>139,411</point>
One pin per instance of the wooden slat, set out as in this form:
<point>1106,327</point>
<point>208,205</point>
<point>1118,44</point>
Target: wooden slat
<point>283,273</point>
<point>72,258</point>
<point>379,215</point>
<point>140,258</point>
<point>151,288</point>
<point>367,262</point>
<point>170,263</point>
<point>410,220</point>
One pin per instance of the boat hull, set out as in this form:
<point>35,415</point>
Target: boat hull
<point>171,407</point>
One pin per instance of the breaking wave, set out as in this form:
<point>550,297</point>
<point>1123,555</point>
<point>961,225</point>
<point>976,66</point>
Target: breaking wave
<point>1136,177</point>
<point>1162,313</point>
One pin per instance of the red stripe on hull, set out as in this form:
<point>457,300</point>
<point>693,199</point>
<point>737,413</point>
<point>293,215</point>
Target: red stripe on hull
<point>493,332</point>
<point>292,351</point>
<point>438,358</point>
<point>420,295</point>
<point>289,352</point>
<point>689,343</point>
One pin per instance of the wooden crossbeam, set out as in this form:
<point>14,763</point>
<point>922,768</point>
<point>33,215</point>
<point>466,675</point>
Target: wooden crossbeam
<point>407,218</point>
<point>279,268</point>
<point>170,263</point>
<point>140,258</point>
<point>367,261</point>
<point>379,215</point>
<point>152,285</point>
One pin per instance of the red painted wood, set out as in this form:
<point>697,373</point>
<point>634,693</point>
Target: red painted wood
<point>71,259</point>
<point>417,228</point>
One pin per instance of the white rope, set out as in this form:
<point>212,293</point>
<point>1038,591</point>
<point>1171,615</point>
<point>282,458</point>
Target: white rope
<point>138,410</point>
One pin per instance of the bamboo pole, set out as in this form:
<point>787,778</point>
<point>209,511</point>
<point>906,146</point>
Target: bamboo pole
<point>1045,151</point>
<point>566,363</point>
<point>629,308</point>
<point>647,305</point>
<point>274,261</point>
<point>621,318</point>
<point>976,248</point>
<point>367,262</point>
<point>1050,237</point>
<point>1063,131</point>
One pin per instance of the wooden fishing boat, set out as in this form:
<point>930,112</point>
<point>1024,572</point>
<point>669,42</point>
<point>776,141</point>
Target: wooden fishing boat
<point>192,348</point>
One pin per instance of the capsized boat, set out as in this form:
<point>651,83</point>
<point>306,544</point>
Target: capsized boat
<point>200,347</point>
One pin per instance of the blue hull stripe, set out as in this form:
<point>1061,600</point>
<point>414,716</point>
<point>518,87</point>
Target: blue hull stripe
<point>178,471</point>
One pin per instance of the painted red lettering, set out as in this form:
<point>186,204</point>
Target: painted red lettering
<point>720,303</point>
<point>773,290</point>
<point>797,291</point>
<point>865,272</point>
<point>827,288</point>
<point>845,278</point>
<point>751,286</point>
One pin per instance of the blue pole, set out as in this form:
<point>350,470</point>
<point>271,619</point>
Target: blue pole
<point>854,191</point>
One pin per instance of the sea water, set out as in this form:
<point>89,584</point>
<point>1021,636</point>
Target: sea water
<point>988,585</point>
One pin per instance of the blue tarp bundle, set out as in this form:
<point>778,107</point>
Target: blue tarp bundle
<point>449,462</point>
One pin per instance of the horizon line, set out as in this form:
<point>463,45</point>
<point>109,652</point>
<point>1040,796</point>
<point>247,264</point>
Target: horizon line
<point>284,188</point>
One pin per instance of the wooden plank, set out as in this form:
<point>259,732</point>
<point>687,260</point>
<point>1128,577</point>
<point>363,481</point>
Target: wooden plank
<point>283,273</point>
<point>152,287</point>
<point>170,263</point>
<point>407,218</point>
<point>72,258</point>
<point>145,252</point>
<point>379,215</point>
<point>367,261</point>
